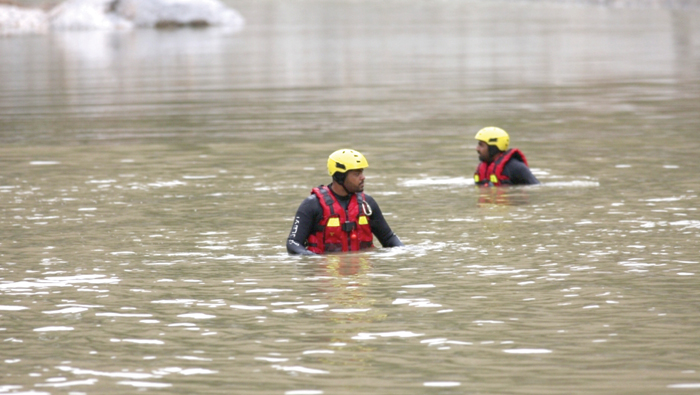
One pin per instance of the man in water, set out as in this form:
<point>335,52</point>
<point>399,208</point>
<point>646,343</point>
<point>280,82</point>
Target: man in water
<point>340,216</point>
<point>500,165</point>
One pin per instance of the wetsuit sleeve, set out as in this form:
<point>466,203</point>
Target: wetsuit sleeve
<point>518,173</point>
<point>308,215</point>
<point>380,228</point>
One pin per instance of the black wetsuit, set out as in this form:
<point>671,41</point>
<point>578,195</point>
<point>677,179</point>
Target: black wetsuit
<point>310,214</point>
<point>518,173</point>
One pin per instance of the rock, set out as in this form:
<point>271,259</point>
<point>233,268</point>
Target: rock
<point>87,15</point>
<point>173,13</point>
<point>117,15</point>
<point>20,20</point>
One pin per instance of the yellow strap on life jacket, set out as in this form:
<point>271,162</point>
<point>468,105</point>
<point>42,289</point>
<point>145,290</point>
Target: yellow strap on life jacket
<point>333,222</point>
<point>363,220</point>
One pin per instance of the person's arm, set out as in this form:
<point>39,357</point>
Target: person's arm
<point>519,173</point>
<point>303,225</point>
<point>380,228</point>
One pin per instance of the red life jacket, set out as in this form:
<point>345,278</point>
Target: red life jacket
<point>491,174</point>
<point>340,230</point>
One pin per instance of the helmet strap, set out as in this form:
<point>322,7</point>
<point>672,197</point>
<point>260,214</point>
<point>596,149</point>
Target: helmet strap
<point>493,151</point>
<point>339,178</point>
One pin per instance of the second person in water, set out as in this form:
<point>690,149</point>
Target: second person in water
<point>500,165</point>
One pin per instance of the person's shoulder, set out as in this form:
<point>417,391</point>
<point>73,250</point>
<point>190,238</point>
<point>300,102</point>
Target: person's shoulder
<point>368,197</point>
<point>372,203</point>
<point>515,162</point>
<point>518,156</point>
<point>517,159</point>
<point>515,167</point>
<point>519,172</point>
<point>310,205</point>
<point>312,198</point>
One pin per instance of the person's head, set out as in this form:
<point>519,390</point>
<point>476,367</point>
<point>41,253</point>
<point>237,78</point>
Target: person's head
<point>491,142</point>
<point>347,166</point>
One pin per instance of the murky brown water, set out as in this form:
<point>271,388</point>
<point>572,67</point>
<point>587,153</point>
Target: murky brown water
<point>149,180</point>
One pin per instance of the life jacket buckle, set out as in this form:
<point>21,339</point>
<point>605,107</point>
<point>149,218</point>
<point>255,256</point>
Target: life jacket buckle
<point>348,226</point>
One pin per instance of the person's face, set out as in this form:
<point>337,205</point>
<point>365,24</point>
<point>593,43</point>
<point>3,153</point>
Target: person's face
<point>355,181</point>
<point>483,150</point>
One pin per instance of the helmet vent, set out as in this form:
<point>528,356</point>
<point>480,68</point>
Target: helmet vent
<point>340,165</point>
<point>493,140</point>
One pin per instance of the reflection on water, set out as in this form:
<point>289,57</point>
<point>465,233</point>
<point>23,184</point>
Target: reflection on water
<point>149,179</point>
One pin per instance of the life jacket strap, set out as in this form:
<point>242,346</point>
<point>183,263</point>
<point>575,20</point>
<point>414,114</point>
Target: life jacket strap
<point>327,198</point>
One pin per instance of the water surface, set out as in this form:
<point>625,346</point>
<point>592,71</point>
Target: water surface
<point>149,179</point>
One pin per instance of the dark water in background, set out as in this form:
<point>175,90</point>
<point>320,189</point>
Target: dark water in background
<point>149,179</point>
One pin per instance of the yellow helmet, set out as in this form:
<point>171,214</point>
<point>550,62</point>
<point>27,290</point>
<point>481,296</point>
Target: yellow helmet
<point>494,136</point>
<point>343,160</point>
